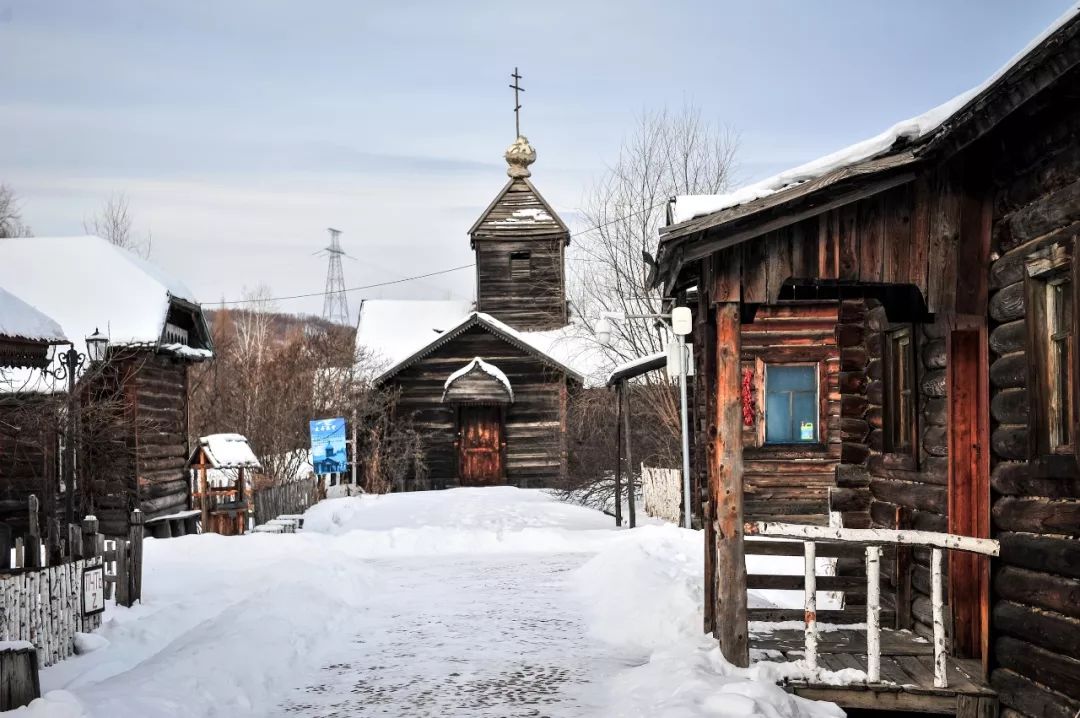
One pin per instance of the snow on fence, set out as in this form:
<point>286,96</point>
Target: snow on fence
<point>662,492</point>
<point>293,497</point>
<point>874,539</point>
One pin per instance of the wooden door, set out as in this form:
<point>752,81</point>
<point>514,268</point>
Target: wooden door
<point>480,445</point>
<point>969,488</point>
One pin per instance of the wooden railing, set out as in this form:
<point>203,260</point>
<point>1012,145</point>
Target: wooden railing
<point>873,540</point>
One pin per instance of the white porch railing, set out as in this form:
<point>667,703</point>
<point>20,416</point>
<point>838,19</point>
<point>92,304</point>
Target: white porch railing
<point>875,538</point>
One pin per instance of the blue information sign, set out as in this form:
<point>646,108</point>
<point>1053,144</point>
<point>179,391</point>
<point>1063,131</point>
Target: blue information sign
<point>328,446</point>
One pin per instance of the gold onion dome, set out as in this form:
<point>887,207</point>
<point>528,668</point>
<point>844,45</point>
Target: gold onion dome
<point>519,156</point>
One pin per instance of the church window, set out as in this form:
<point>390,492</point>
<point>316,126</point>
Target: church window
<point>520,265</point>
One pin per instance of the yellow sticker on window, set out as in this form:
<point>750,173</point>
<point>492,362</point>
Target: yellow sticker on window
<point>806,431</point>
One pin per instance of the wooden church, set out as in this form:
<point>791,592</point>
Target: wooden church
<point>487,382</point>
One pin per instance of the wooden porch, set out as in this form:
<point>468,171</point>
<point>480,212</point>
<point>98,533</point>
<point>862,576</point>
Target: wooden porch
<point>907,672</point>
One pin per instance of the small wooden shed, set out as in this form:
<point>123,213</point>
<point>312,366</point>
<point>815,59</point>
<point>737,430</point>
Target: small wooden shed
<point>222,471</point>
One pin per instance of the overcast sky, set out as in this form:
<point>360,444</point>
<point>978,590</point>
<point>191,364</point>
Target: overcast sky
<point>241,129</point>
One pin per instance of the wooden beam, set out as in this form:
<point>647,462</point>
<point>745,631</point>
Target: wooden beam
<point>726,486</point>
<point>987,547</point>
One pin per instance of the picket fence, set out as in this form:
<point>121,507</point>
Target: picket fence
<point>294,497</point>
<point>662,493</point>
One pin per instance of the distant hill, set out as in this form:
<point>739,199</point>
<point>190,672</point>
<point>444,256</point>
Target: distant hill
<point>283,327</point>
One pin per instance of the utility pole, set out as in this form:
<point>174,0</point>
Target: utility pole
<point>335,303</point>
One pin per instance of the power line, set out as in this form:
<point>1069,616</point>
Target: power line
<point>324,293</point>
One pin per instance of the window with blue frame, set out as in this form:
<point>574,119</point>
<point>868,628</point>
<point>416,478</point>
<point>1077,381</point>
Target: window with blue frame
<point>791,404</point>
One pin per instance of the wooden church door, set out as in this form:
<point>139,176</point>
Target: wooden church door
<point>480,446</point>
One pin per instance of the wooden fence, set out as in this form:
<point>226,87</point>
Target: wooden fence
<point>41,585</point>
<point>662,493</point>
<point>293,497</point>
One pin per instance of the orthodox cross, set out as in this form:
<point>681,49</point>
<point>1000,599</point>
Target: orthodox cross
<point>517,105</point>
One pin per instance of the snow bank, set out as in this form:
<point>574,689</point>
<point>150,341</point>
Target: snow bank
<point>645,592</point>
<point>470,520</point>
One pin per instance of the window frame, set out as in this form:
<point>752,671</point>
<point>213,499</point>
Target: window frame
<point>819,432</point>
<point>894,417</point>
<point>517,257</point>
<point>1053,401</point>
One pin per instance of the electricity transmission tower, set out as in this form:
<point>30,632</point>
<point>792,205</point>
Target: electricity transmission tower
<point>335,303</point>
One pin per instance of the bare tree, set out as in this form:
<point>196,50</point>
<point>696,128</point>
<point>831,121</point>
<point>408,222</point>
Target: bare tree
<point>669,154</point>
<point>11,222</point>
<point>115,224</point>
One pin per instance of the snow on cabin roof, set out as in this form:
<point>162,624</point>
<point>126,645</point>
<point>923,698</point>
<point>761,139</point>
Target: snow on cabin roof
<point>86,284</point>
<point>687,207</point>
<point>479,364</point>
<point>226,451</point>
<point>20,320</point>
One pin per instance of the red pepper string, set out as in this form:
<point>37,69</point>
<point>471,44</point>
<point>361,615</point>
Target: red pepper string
<point>748,404</point>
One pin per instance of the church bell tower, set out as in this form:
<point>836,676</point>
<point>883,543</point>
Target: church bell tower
<point>520,244</point>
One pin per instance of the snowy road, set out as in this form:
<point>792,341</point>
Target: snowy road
<point>466,603</point>
<point>502,636</point>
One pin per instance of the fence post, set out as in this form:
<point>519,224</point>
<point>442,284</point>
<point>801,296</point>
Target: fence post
<point>873,613</point>
<point>92,544</point>
<point>134,572</point>
<point>810,589</point>
<point>5,546</point>
<point>123,574</point>
<point>33,535</point>
<point>941,679</point>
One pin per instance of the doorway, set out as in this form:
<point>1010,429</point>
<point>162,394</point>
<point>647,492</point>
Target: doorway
<point>480,445</point>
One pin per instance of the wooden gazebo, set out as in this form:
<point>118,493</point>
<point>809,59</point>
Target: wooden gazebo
<point>222,467</point>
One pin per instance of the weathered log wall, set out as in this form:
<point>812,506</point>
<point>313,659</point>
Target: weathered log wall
<point>535,439</point>
<point>535,301</point>
<point>793,482</point>
<point>1036,505</point>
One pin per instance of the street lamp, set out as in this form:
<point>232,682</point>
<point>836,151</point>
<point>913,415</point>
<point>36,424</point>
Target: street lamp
<point>70,366</point>
<point>682,323</point>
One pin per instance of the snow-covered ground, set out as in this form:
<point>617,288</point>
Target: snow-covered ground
<point>470,602</point>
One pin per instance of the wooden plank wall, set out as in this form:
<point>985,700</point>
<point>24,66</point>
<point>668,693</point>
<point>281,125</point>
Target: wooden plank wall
<point>1036,500</point>
<point>530,303</point>
<point>786,483</point>
<point>143,461</point>
<point>536,443</point>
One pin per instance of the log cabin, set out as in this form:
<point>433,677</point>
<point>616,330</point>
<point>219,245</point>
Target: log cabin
<point>488,382</point>
<point>133,448</point>
<point>886,340</point>
<point>27,449</point>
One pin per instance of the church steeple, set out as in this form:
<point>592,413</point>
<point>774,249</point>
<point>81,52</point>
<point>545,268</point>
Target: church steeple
<point>520,244</point>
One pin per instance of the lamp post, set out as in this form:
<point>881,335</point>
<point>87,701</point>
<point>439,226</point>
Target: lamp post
<point>682,322</point>
<point>70,365</point>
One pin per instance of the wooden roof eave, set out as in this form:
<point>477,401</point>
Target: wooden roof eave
<point>454,333</point>
<point>700,237</point>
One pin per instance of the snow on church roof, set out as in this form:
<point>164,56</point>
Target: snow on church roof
<point>687,207</point>
<point>490,369</point>
<point>397,331</point>
<point>23,321</point>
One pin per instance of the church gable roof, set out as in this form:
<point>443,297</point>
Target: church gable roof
<point>519,210</point>
<point>494,326</point>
